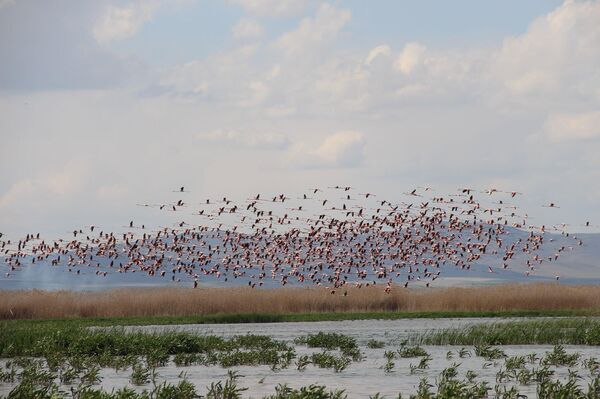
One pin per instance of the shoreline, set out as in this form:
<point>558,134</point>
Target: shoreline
<point>259,318</point>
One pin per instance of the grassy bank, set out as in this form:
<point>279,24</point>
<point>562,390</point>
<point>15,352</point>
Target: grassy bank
<point>282,304</point>
<point>573,331</point>
<point>28,338</point>
<point>241,318</point>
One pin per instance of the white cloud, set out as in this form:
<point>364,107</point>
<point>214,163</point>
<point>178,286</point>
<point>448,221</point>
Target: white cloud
<point>318,80</point>
<point>558,53</point>
<point>573,126</point>
<point>247,29</point>
<point>381,50</point>
<point>316,31</point>
<point>257,92</point>
<point>341,85</point>
<point>271,7</point>
<point>280,111</point>
<point>59,183</point>
<point>342,148</point>
<point>118,23</point>
<point>225,77</point>
<point>431,113</point>
<point>410,58</point>
<point>339,150</point>
<point>245,140</point>
<point>18,190</point>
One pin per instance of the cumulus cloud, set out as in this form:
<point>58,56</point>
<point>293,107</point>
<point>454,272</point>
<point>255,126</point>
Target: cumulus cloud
<point>559,52</point>
<point>59,183</point>
<point>18,190</point>
<point>315,81</point>
<point>271,7</point>
<point>449,103</point>
<point>339,150</point>
<point>381,50</point>
<point>121,22</point>
<point>573,126</point>
<point>342,148</point>
<point>225,77</point>
<point>410,58</point>
<point>245,140</point>
<point>247,29</point>
<point>316,31</point>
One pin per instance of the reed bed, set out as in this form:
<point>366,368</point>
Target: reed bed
<point>155,302</point>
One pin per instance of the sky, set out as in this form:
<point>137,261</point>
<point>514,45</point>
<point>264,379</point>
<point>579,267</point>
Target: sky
<point>106,104</point>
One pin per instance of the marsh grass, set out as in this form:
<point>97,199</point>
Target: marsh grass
<point>76,375</point>
<point>267,304</point>
<point>345,344</point>
<point>119,349</point>
<point>573,331</point>
<point>411,351</point>
<point>375,344</point>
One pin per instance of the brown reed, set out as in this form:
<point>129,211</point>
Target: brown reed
<point>36,304</point>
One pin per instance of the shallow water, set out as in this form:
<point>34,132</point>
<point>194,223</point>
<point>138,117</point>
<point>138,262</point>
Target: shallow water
<point>393,331</point>
<point>360,379</point>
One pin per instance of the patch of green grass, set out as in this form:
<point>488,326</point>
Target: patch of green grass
<point>118,348</point>
<point>314,391</point>
<point>560,357</point>
<point>375,344</point>
<point>330,341</point>
<point>227,318</point>
<point>572,331</point>
<point>488,353</point>
<point>329,360</point>
<point>406,351</point>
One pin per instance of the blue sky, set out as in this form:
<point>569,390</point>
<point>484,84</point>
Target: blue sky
<point>106,104</point>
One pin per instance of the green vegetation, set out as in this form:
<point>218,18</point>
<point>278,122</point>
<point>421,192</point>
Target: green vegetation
<point>63,359</point>
<point>389,361</point>
<point>411,351</point>
<point>311,392</point>
<point>119,349</point>
<point>375,344</point>
<point>560,357</point>
<point>573,331</point>
<point>228,318</point>
<point>488,353</point>
<point>330,341</point>
<point>327,360</point>
<point>67,364</point>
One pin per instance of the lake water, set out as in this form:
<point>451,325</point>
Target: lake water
<point>360,379</point>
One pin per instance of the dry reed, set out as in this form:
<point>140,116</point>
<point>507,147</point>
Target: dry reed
<point>144,302</point>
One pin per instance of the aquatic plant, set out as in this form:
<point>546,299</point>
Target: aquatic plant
<point>489,353</point>
<point>389,364</point>
<point>411,351</point>
<point>575,331</point>
<point>140,374</point>
<point>347,345</point>
<point>514,362</point>
<point>311,392</point>
<point>330,361</point>
<point>375,344</point>
<point>560,357</point>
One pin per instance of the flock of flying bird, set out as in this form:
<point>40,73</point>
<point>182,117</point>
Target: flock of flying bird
<point>332,237</point>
